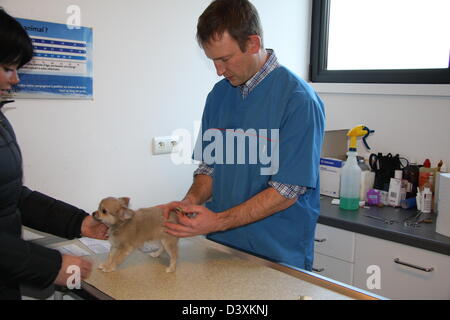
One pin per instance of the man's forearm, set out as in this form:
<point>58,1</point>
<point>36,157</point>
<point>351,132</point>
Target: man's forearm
<point>264,204</point>
<point>200,191</point>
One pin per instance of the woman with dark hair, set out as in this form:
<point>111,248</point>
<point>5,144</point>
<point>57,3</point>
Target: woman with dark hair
<point>22,262</point>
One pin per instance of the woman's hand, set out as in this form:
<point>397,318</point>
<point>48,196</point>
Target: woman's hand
<point>68,262</point>
<point>92,228</point>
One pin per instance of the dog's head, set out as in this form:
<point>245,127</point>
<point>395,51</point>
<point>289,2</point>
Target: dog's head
<point>112,211</point>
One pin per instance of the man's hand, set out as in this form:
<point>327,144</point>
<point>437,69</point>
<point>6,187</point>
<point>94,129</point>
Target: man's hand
<point>68,261</point>
<point>193,221</point>
<point>167,208</point>
<point>92,228</point>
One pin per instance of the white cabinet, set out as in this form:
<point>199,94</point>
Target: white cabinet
<point>334,253</point>
<point>333,268</point>
<point>403,272</point>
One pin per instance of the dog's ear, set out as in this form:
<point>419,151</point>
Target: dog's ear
<point>125,214</point>
<point>125,201</point>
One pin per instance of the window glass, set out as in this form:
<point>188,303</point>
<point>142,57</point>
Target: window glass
<point>388,34</point>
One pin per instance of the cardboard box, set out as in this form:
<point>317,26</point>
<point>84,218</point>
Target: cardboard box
<point>330,176</point>
<point>333,155</point>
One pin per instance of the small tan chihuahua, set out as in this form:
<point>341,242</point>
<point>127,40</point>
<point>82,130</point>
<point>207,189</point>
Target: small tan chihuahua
<point>129,230</point>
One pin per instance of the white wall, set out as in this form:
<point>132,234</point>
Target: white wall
<point>150,78</point>
<point>416,127</point>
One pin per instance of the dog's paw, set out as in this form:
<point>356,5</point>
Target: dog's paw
<point>170,269</point>
<point>106,268</point>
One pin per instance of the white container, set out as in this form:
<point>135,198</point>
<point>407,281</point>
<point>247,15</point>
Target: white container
<point>396,194</point>
<point>427,202</point>
<point>443,218</point>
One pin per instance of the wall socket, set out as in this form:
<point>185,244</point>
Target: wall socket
<point>165,145</point>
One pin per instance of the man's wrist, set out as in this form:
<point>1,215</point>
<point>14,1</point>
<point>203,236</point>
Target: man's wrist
<point>188,199</point>
<point>224,221</point>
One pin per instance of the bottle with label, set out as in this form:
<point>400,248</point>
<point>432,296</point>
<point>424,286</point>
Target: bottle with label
<point>424,174</point>
<point>397,191</point>
<point>427,200</point>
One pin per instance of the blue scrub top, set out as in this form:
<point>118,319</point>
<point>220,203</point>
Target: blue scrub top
<point>282,116</point>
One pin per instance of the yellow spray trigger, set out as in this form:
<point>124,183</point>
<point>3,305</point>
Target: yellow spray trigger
<point>359,131</point>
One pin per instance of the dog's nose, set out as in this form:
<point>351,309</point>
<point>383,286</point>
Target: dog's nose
<point>96,217</point>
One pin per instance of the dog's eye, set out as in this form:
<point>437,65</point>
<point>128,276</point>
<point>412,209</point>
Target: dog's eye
<point>104,211</point>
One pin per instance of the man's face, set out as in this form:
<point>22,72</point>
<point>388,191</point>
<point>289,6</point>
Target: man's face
<point>237,66</point>
<point>8,78</point>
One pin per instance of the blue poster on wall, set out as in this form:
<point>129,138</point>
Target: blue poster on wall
<point>62,62</point>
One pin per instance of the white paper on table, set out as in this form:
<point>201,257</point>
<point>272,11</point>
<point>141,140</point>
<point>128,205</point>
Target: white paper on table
<point>73,250</point>
<point>98,246</point>
<point>28,235</point>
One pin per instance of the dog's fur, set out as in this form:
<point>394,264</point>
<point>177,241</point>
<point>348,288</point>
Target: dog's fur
<point>129,230</point>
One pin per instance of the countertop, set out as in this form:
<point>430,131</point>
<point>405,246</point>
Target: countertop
<point>424,237</point>
<point>206,270</point>
<point>209,271</point>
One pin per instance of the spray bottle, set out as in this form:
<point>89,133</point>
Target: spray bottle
<point>351,172</point>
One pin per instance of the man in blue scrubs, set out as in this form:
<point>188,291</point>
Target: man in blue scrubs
<point>257,188</point>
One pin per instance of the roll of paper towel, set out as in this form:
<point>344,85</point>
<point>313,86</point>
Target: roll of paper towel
<point>443,219</point>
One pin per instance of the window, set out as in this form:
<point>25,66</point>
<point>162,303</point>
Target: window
<point>380,41</point>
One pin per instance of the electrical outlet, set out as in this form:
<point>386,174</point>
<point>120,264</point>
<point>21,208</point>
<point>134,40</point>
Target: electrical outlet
<point>165,145</point>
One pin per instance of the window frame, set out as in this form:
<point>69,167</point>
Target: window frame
<point>319,53</point>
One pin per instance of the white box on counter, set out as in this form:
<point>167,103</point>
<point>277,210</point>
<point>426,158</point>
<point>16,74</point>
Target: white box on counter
<point>330,176</point>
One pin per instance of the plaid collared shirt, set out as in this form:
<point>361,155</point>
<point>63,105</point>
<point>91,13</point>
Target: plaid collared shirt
<point>270,65</point>
<point>286,190</point>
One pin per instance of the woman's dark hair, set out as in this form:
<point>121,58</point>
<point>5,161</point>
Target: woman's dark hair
<point>239,17</point>
<point>16,47</point>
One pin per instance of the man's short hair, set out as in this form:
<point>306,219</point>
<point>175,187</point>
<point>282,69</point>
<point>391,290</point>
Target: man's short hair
<point>238,17</point>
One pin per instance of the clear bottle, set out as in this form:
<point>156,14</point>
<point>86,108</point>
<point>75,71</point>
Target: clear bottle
<point>350,183</point>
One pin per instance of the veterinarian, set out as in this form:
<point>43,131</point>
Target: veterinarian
<point>273,216</point>
<point>21,262</point>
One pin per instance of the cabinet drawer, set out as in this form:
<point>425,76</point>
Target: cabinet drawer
<point>404,272</point>
<point>332,268</point>
<point>336,243</point>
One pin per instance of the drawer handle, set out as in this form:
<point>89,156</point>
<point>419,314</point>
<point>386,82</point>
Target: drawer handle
<point>397,261</point>
<point>320,240</point>
<point>319,270</point>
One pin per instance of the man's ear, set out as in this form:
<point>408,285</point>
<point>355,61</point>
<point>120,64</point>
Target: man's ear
<point>125,201</point>
<point>125,214</point>
<point>254,44</point>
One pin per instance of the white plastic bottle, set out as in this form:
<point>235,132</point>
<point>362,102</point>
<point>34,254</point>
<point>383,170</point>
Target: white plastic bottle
<point>427,201</point>
<point>350,183</point>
